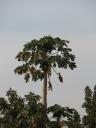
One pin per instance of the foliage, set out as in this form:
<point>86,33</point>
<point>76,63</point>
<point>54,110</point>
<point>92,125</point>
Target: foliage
<point>64,117</point>
<point>28,112</point>
<point>17,112</point>
<point>40,56</point>
<point>89,120</point>
<point>73,119</point>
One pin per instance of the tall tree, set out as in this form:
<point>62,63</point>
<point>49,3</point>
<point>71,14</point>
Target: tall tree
<point>89,120</point>
<point>41,56</point>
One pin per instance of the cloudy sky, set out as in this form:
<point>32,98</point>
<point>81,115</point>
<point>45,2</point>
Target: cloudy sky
<point>73,20</point>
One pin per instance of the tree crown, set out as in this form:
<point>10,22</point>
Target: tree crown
<point>40,56</point>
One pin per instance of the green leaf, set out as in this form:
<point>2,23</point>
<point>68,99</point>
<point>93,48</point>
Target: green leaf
<point>27,77</point>
<point>60,77</point>
<point>50,86</point>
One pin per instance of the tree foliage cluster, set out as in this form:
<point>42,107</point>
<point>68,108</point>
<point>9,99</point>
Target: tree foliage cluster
<point>28,112</point>
<point>43,55</point>
<point>17,112</point>
<point>89,120</point>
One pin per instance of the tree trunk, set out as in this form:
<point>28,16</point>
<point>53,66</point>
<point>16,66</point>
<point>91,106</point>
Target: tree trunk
<point>45,97</point>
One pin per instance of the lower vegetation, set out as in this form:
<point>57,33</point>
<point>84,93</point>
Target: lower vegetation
<point>28,112</point>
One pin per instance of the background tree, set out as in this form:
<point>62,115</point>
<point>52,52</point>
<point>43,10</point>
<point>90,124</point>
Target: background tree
<point>64,116</point>
<point>57,113</point>
<point>73,119</point>
<point>17,112</point>
<point>10,108</point>
<point>28,112</point>
<point>89,120</point>
<point>39,57</point>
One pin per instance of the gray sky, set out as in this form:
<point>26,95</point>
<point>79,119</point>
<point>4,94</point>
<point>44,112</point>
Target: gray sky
<point>73,20</point>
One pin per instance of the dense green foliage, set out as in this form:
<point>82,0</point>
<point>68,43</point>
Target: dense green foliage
<point>28,112</point>
<point>17,112</point>
<point>40,56</point>
<point>64,116</point>
<point>89,120</point>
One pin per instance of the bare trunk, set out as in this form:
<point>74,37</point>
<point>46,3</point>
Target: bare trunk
<point>45,96</point>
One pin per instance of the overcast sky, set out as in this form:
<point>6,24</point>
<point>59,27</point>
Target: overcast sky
<point>73,20</point>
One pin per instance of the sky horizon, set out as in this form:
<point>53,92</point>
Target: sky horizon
<point>22,21</point>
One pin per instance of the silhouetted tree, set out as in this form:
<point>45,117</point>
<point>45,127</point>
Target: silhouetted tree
<point>39,57</point>
<point>73,119</point>
<point>17,112</point>
<point>28,112</point>
<point>89,120</point>
<point>57,113</point>
<point>64,116</point>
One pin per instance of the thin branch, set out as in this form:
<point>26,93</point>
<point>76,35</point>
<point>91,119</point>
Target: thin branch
<point>54,70</point>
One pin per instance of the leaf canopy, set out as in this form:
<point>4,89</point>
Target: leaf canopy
<point>38,56</point>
